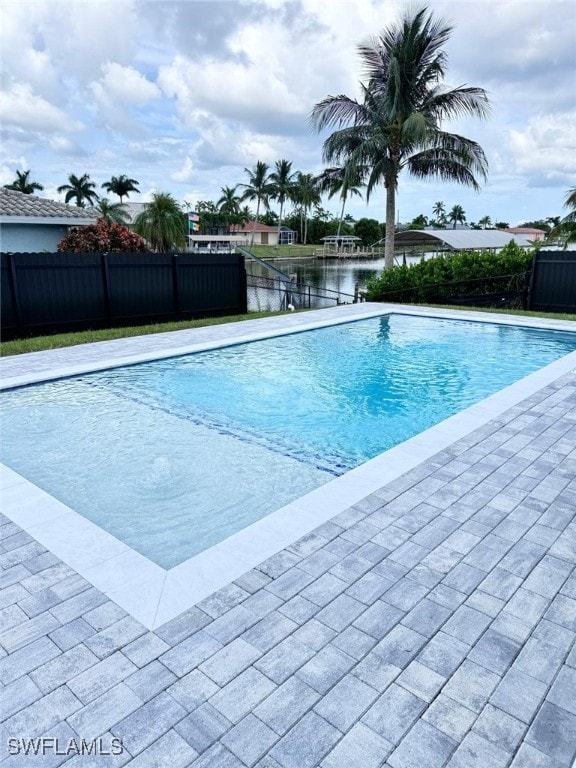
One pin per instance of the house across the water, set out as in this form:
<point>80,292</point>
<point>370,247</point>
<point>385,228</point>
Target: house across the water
<point>264,234</point>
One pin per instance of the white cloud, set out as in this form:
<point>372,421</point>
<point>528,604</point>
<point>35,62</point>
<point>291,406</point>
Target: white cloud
<point>118,92</point>
<point>546,145</point>
<point>20,107</point>
<point>124,85</point>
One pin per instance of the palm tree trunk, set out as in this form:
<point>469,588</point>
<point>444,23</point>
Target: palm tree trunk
<point>280,222</point>
<point>255,223</point>
<point>341,216</point>
<point>390,223</point>
<point>305,225</point>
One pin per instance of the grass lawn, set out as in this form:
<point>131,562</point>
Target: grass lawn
<point>284,251</point>
<point>58,340</point>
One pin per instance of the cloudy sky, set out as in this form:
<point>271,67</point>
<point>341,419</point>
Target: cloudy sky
<point>182,95</point>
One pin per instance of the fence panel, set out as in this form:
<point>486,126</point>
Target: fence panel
<point>140,285</point>
<point>210,282</point>
<point>48,292</point>
<point>553,285</point>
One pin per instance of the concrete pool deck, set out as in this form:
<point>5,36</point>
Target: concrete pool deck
<point>431,622</point>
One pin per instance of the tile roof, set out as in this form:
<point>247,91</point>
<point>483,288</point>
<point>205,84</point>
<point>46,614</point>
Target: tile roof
<point>252,225</point>
<point>18,204</point>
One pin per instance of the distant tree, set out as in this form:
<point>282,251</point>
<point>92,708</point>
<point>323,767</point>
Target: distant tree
<point>368,230</point>
<point>398,122</point>
<point>305,193</point>
<point>439,212</point>
<point>258,188</point>
<point>101,237</point>
<point>485,222</point>
<point>282,181</point>
<point>420,222</point>
<point>340,180</point>
<point>457,215</point>
<point>501,224</point>
<point>270,218</point>
<point>162,223</point>
<point>112,213</point>
<point>229,202</point>
<point>80,189</point>
<point>121,186</point>
<point>23,184</point>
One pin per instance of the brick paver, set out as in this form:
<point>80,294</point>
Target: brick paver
<point>433,624</point>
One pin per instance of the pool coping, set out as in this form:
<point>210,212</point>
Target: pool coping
<point>154,595</point>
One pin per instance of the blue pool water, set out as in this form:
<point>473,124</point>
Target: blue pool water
<point>175,455</point>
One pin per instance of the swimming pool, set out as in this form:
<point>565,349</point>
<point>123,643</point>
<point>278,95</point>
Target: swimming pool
<point>153,594</point>
<point>174,456</point>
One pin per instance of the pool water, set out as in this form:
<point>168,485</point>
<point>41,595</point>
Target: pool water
<point>176,455</point>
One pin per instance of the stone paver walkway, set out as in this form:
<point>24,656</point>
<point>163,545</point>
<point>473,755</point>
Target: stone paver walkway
<point>433,624</point>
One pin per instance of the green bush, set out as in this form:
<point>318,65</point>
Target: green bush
<point>463,273</point>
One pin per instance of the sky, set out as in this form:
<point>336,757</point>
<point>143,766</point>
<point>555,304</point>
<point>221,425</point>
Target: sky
<point>184,95</point>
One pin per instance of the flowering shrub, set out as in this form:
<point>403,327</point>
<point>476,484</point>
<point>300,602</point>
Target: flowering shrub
<point>101,238</point>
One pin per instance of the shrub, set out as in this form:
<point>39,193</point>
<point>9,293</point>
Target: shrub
<point>101,238</point>
<point>474,272</point>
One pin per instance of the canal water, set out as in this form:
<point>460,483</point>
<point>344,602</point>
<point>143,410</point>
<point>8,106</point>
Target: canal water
<point>324,281</point>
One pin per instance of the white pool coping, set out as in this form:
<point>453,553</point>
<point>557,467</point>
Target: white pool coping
<point>154,595</point>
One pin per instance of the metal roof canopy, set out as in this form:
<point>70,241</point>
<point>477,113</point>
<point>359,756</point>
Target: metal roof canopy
<point>460,239</point>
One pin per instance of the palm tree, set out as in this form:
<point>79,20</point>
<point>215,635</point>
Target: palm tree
<point>305,194</point>
<point>457,215</point>
<point>282,181</point>
<point>570,203</point>
<point>112,213</point>
<point>485,222</point>
<point>439,212</point>
<point>229,203</point>
<point>79,188</point>
<point>162,223</point>
<point>565,229</point>
<point>397,124</point>
<point>258,188</point>
<point>121,186</point>
<point>23,184</point>
<point>334,180</point>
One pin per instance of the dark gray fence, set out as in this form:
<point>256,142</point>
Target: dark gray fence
<point>553,283</point>
<point>48,292</point>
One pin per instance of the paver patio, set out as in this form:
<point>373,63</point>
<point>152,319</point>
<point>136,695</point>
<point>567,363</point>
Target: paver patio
<point>432,624</point>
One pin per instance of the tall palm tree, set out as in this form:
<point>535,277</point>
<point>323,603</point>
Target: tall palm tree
<point>439,212</point>
<point>258,188</point>
<point>282,181</point>
<point>162,223</point>
<point>305,194</point>
<point>112,213</point>
<point>457,215</point>
<point>229,204</point>
<point>23,184</point>
<point>337,180</point>
<point>80,189</point>
<point>485,222</point>
<point>121,186</point>
<point>397,124</point>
